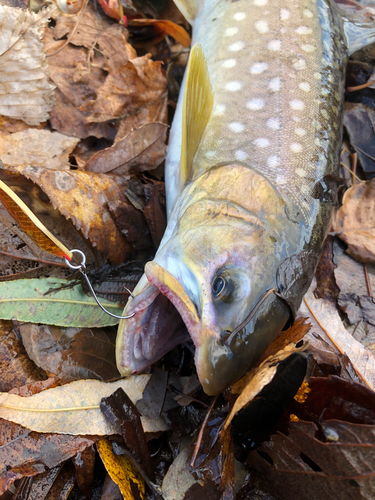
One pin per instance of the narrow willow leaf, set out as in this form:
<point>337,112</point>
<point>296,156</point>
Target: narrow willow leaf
<point>74,408</point>
<point>25,300</point>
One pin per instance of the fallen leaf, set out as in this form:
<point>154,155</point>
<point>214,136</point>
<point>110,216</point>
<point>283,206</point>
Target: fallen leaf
<point>254,381</point>
<point>27,301</point>
<point>25,84</point>
<point>178,478</point>
<point>110,490</point>
<point>71,353</point>
<point>40,148</point>
<point>84,463</point>
<point>143,149</point>
<point>164,27</point>
<point>121,470</point>
<point>73,408</point>
<point>355,222</point>
<point>152,401</point>
<point>63,484</point>
<point>326,287</point>
<point>25,453</point>
<point>16,368</point>
<point>37,486</point>
<point>306,465</point>
<point>324,316</point>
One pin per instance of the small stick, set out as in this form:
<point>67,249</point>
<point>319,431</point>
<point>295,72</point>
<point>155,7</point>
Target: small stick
<point>200,435</point>
<point>368,282</point>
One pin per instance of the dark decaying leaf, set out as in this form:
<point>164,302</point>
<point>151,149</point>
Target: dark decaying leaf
<point>36,387</point>
<point>72,353</point>
<point>84,463</point>
<point>119,409</point>
<point>304,465</point>
<point>111,491</point>
<point>153,398</point>
<point>354,299</point>
<point>26,453</point>
<point>63,484</point>
<point>37,486</point>
<point>359,121</point>
<point>15,366</point>
<point>326,287</point>
<point>142,149</point>
<point>208,491</point>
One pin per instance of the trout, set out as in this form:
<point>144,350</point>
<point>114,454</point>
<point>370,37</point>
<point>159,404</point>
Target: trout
<point>250,180</point>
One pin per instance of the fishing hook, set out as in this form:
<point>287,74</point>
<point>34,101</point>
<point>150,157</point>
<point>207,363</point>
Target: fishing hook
<point>81,267</point>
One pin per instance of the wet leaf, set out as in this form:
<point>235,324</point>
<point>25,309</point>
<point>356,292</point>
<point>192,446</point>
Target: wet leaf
<point>84,465</point>
<point>63,484</point>
<point>326,287</point>
<point>25,84</point>
<point>355,223</point>
<point>143,149</point>
<point>253,382</point>
<point>37,486</point>
<point>153,398</point>
<point>325,318</point>
<point>122,413</point>
<point>164,27</point>
<point>121,470</point>
<point>110,490</point>
<point>40,148</point>
<point>27,301</point>
<point>305,465</point>
<point>178,478</point>
<point>73,408</point>
<point>25,453</point>
<point>72,353</point>
<point>16,368</point>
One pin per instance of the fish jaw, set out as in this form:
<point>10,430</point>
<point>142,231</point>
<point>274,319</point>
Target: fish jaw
<point>153,330</point>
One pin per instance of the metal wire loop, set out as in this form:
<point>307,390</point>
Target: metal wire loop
<point>82,269</point>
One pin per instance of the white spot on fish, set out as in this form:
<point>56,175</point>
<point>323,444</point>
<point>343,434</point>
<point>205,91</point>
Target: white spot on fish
<point>229,63</point>
<point>261,142</point>
<point>231,31</point>
<point>305,86</point>
<point>273,123</point>
<point>273,161</point>
<point>274,84</point>
<point>261,26</point>
<point>296,119</point>
<point>236,127</point>
<point>236,47</point>
<point>233,86</point>
<point>274,45</point>
<point>239,16</point>
<point>308,48</point>
<point>304,30</point>
<point>317,76</point>
<point>284,14</point>
<point>258,68</point>
<point>300,132</point>
<point>299,64</point>
<point>260,2</point>
<point>241,155</point>
<point>296,147</point>
<point>307,13</point>
<point>219,110</point>
<point>255,104</point>
<point>297,104</point>
<point>300,172</point>
<point>210,154</point>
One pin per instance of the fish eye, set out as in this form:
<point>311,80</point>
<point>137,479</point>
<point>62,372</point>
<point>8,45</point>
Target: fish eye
<point>223,288</point>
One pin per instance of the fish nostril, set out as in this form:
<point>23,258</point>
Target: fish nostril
<point>224,337</point>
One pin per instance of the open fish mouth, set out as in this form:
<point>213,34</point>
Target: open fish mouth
<point>155,329</point>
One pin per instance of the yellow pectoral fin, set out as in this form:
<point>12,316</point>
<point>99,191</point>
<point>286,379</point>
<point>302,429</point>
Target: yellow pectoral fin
<point>197,108</point>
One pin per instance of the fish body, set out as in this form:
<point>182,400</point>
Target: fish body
<point>248,174</point>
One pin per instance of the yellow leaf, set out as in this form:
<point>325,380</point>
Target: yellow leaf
<point>121,470</point>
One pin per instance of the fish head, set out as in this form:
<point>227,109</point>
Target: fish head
<point>214,279</point>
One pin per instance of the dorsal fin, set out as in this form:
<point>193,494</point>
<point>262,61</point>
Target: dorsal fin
<point>197,108</point>
<point>189,8</point>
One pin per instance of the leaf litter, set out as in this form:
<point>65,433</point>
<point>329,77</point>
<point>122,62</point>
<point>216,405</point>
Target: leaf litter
<point>107,98</point>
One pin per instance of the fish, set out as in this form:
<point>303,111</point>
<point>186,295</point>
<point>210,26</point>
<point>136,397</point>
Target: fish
<point>254,146</point>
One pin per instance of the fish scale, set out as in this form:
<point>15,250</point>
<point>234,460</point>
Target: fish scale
<point>254,148</point>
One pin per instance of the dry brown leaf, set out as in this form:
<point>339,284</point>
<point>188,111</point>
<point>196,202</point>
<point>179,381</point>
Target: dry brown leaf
<point>25,90</point>
<point>324,316</point>
<point>40,148</point>
<point>74,408</point>
<point>83,197</point>
<point>143,149</point>
<point>355,222</point>
<point>254,381</point>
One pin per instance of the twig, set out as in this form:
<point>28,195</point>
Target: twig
<point>368,282</point>
<point>200,435</point>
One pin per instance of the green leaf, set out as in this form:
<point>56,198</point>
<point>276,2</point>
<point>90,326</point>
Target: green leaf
<point>25,300</point>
